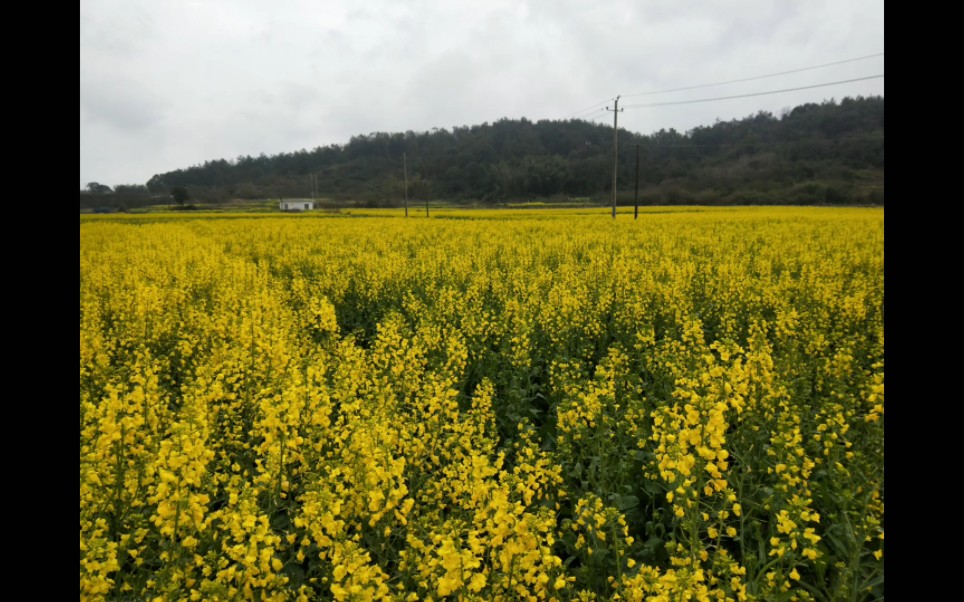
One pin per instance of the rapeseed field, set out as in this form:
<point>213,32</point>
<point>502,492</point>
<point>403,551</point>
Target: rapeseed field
<point>483,405</point>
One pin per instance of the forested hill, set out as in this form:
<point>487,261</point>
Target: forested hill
<point>831,152</point>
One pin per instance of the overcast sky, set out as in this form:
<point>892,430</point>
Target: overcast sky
<point>168,85</point>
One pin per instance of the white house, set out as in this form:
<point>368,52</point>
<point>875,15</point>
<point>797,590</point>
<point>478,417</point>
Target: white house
<point>297,205</point>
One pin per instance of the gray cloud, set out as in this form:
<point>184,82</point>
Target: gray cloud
<point>204,80</point>
<point>121,103</point>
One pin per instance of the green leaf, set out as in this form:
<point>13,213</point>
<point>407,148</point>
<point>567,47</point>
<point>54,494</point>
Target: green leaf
<point>624,502</point>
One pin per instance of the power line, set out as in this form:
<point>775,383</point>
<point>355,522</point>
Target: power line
<point>683,102</point>
<point>746,79</point>
<point>598,106</point>
<point>594,107</point>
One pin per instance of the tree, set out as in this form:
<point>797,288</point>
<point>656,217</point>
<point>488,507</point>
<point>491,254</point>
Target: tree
<point>130,189</point>
<point>179,194</point>
<point>98,188</point>
<point>519,158</point>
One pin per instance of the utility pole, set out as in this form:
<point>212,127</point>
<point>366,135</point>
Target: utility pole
<point>405,168</point>
<point>615,111</point>
<point>636,193</point>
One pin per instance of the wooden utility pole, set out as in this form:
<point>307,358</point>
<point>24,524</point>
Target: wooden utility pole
<point>615,111</point>
<point>636,193</point>
<point>405,168</point>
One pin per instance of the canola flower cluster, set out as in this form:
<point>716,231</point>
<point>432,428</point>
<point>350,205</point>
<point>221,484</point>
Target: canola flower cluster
<point>542,405</point>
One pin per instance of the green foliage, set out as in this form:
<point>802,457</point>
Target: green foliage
<point>98,188</point>
<point>130,189</point>
<point>828,153</point>
<point>180,194</point>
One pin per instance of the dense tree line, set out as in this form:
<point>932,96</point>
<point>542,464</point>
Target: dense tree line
<point>831,152</point>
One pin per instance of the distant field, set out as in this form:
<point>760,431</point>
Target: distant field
<point>415,208</point>
<point>525,403</point>
<point>443,210</point>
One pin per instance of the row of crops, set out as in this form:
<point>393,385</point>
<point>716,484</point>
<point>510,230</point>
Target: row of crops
<point>510,406</point>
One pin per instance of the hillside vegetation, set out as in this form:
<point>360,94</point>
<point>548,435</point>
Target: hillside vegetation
<point>832,153</point>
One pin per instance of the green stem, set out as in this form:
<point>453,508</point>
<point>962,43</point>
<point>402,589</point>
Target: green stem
<point>813,590</point>
<point>619,569</point>
<point>119,471</point>
<point>511,570</point>
<point>281,466</point>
